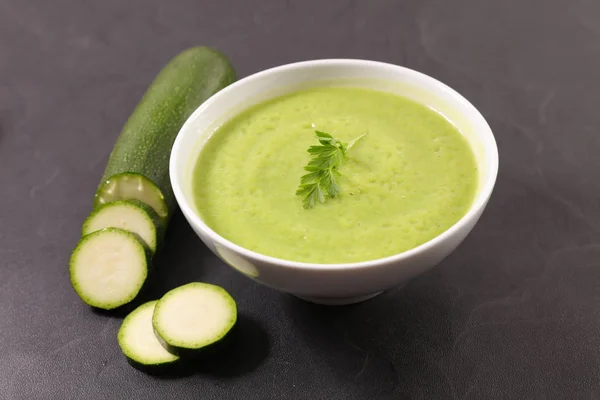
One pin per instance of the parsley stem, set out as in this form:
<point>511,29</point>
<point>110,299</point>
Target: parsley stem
<point>353,142</point>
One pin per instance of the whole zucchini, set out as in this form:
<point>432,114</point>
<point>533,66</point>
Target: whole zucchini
<point>138,167</point>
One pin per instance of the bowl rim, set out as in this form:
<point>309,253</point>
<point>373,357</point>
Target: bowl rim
<point>479,203</point>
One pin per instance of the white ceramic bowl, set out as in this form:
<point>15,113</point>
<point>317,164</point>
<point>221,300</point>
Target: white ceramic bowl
<point>333,283</point>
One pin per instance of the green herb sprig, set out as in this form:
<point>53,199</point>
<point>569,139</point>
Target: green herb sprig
<point>320,182</point>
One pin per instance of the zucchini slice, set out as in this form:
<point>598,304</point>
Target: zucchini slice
<point>108,268</point>
<point>130,215</point>
<point>193,317</point>
<point>138,342</point>
<point>132,186</point>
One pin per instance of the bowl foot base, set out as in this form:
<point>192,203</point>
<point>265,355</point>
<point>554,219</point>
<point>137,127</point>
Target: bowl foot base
<point>338,301</point>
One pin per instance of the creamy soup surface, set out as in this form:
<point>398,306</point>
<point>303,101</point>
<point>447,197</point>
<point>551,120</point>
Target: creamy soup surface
<point>409,179</point>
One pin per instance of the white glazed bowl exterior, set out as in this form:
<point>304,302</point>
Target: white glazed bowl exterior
<point>333,283</point>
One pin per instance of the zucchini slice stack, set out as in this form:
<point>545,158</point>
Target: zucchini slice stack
<point>134,201</point>
<point>132,208</point>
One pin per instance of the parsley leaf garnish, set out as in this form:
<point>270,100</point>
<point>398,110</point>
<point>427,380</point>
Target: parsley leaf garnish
<point>320,182</point>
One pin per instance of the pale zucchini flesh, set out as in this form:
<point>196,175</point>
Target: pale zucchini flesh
<point>138,342</point>
<point>194,316</point>
<point>130,215</point>
<point>108,268</point>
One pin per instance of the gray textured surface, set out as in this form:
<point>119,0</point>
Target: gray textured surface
<point>514,313</point>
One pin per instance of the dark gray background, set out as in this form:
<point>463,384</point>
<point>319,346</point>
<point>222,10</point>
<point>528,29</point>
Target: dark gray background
<point>514,313</point>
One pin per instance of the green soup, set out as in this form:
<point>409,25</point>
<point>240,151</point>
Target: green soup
<point>411,178</point>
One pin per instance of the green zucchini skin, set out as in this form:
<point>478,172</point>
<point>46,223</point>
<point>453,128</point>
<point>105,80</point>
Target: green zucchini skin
<point>192,355</point>
<point>145,143</point>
